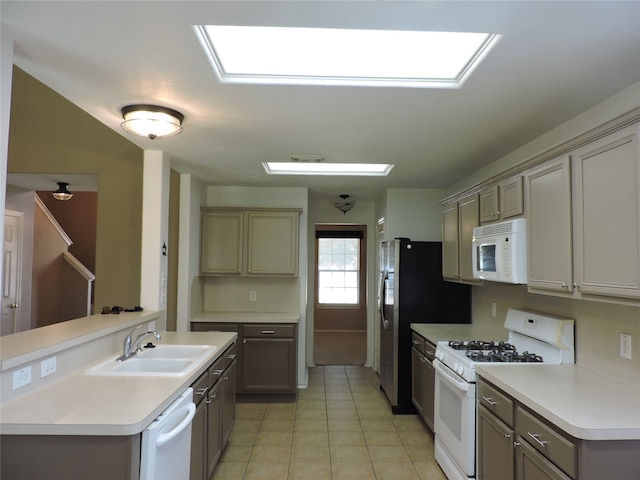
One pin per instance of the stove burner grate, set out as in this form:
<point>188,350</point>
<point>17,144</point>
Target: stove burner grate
<point>505,356</point>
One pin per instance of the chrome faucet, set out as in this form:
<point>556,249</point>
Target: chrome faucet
<point>130,348</point>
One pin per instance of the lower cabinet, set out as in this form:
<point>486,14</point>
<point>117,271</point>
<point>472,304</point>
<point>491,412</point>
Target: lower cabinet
<point>495,447</point>
<point>268,359</point>
<point>215,414</point>
<point>423,377</point>
<point>533,465</point>
<point>266,356</point>
<point>514,443</point>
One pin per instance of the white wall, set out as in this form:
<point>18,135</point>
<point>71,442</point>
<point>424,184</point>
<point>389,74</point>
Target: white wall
<point>413,213</point>
<point>193,194</point>
<point>155,232</point>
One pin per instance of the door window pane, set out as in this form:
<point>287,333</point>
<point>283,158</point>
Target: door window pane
<point>338,270</point>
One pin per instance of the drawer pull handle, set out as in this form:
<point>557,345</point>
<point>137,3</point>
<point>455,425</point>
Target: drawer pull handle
<point>432,353</point>
<point>218,372</point>
<point>506,435</point>
<point>415,342</point>
<point>225,378</point>
<point>268,332</point>
<point>542,443</point>
<point>201,392</point>
<point>490,401</point>
<point>232,356</point>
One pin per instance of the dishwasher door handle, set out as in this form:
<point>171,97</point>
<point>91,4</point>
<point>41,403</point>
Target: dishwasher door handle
<point>165,437</point>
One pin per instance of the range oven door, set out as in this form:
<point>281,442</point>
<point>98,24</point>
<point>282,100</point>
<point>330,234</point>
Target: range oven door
<point>455,422</point>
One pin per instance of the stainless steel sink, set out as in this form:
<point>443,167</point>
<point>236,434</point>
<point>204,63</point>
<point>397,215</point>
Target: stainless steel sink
<point>163,360</point>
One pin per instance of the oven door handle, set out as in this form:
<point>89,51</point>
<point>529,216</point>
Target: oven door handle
<point>450,377</point>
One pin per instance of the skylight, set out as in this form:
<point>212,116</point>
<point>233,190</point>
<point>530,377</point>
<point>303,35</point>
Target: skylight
<point>328,56</point>
<point>320,168</point>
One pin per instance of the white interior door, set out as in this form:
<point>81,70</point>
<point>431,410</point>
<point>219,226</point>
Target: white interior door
<point>11,271</point>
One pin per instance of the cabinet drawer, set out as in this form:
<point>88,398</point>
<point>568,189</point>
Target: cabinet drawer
<point>215,371</point>
<point>213,327</point>
<point>269,331</point>
<point>418,342</point>
<point>496,402</point>
<point>230,355</point>
<point>200,387</point>
<point>557,447</point>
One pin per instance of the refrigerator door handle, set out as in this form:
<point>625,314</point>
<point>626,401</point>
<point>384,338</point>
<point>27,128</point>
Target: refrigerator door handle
<point>381,294</point>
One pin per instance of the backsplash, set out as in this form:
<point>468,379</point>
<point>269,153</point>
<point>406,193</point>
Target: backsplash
<point>598,325</point>
<point>229,294</point>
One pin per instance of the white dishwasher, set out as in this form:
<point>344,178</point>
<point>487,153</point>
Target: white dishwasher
<point>166,443</point>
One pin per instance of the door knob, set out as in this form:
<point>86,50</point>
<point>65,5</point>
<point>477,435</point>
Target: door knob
<point>13,305</point>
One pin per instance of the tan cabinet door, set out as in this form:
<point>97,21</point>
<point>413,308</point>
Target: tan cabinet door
<point>489,205</point>
<point>221,247</point>
<point>606,215</point>
<point>273,243</point>
<point>548,204</point>
<point>450,265</point>
<point>468,213</point>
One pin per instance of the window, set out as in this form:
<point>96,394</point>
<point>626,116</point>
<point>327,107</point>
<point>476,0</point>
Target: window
<point>338,271</point>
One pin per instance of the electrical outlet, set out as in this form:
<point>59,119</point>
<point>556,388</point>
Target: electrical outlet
<point>253,296</point>
<point>48,366</point>
<point>625,345</point>
<point>21,377</point>
<point>493,310</point>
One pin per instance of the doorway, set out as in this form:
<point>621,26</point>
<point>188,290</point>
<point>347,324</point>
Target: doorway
<point>340,309</point>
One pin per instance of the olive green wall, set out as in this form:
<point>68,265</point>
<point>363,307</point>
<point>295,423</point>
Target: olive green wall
<point>48,134</point>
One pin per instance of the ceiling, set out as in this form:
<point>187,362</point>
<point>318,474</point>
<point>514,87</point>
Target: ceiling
<point>554,61</point>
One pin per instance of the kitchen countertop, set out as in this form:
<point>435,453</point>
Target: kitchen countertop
<point>247,317</point>
<point>583,402</point>
<point>81,404</point>
<point>436,332</point>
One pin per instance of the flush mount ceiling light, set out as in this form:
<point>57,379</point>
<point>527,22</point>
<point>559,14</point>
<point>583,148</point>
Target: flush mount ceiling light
<point>151,121</point>
<point>63,192</point>
<point>345,205</point>
<point>321,168</point>
<point>331,56</point>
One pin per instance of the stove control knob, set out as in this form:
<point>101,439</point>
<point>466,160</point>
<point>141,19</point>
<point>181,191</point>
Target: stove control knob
<point>460,370</point>
<point>456,366</point>
<point>439,354</point>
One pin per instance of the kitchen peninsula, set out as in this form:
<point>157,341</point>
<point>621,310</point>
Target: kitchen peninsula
<point>83,424</point>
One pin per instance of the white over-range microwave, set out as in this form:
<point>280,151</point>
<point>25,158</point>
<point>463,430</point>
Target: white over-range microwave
<point>500,251</point>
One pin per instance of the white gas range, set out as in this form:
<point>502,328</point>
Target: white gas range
<point>533,338</point>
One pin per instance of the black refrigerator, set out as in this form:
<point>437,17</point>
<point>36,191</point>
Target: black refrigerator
<point>412,290</point>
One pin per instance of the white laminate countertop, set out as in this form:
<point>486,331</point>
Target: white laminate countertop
<point>437,332</point>
<point>81,404</point>
<point>247,317</point>
<point>583,402</point>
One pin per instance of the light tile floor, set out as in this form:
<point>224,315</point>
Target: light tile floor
<point>340,428</point>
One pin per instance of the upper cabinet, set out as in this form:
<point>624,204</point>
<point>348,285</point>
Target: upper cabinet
<point>458,221</point>
<point>501,201</point>
<point>584,220</point>
<point>548,204</point>
<point>255,242</point>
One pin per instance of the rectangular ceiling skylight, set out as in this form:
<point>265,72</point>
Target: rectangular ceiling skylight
<point>320,168</point>
<point>329,56</point>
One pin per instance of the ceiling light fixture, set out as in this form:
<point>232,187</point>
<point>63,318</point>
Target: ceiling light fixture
<point>345,205</point>
<point>63,192</point>
<point>322,168</point>
<point>334,56</point>
<point>151,121</point>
